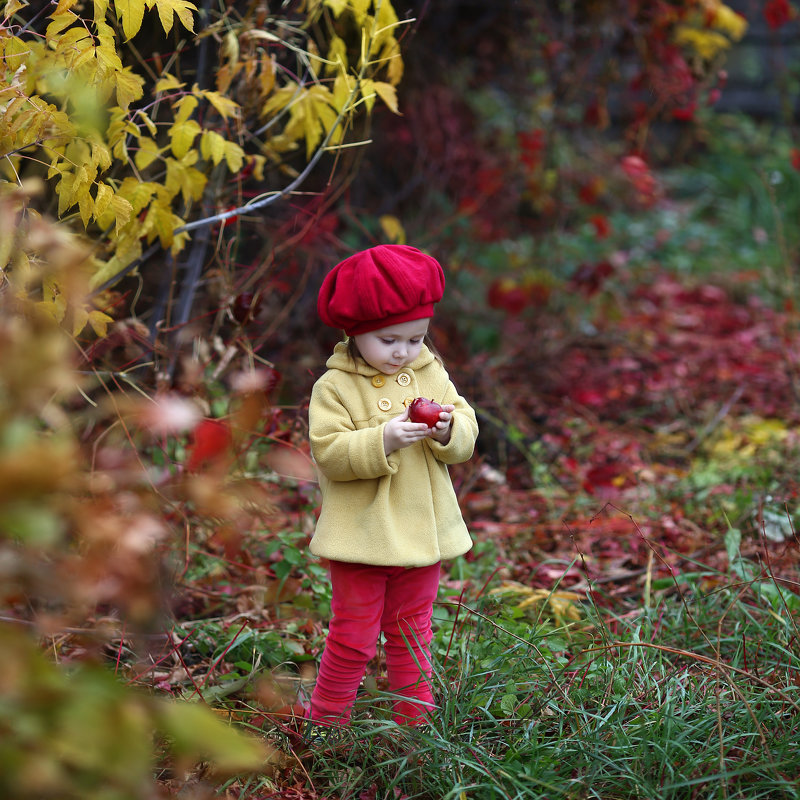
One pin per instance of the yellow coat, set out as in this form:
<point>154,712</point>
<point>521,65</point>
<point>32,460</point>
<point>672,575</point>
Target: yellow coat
<point>399,510</point>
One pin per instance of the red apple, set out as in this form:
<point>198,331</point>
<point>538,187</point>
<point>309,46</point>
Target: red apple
<point>424,410</point>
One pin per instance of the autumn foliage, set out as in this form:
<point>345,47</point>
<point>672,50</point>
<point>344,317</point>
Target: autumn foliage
<point>175,177</point>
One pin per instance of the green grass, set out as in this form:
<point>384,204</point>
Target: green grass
<point>695,697</point>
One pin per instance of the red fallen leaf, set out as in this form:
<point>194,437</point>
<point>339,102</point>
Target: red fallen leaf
<point>777,13</point>
<point>229,220</point>
<point>531,144</point>
<point>589,397</point>
<point>588,278</point>
<point>506,294</point>
<point>595,115</point>
<point>589,191</point>
<point>602,227</point>
<point>634,166</point>
<point>538,293</point>
<point>246,171</point>
<point>489,181</point>
<point>685,113</point>
<point>211,439</point>
<point>245,307</point>
<point>553,48</point>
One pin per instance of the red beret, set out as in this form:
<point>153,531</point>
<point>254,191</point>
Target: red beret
<point>378,287</point>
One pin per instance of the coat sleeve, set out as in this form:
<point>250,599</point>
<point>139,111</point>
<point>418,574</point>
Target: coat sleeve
<point>463,431</point>
<point>343,452</point>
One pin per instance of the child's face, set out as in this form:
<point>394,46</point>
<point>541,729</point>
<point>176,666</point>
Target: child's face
<point>391,348</point>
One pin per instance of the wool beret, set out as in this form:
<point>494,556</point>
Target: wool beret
<point>378,287</point>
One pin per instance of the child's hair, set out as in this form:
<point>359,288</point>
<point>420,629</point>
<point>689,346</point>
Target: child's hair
<point>352,348</point>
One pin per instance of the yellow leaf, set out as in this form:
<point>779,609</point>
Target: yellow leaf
<point>729,22</point>
<point>149,124</point>
<point>337,6</point>
<point>360,9</point>
<point>388,94</point>
<point>106,52</point>
<point>79,320</point>
<point>312,115</point>
<point>64,192</point>
<point>259,162</point>
<point>128,249</point>
<point>394,62</point>
<point>706,44</point>
<point>85,203</point>
<point>12,6</point>
<point>15,53</point>
<point>101,156</point>
<point>182,177</point>
<point>337,56</point>
<point>163,222</point>
<point>368,93</point>
<point>137,193</point>
<point>8,224</point>
<point>21,271</point>
<point>229,51</point>
<point>131,12</point>
<point>185,107</point>
<point>182,136</point>
<point>224,105</point>
<point>393,229</point>
<point>167,83</point>
<point>167,8</point>
<point>122,210</point>
<point>212,146</point>
<point>102,199</point>
<point>180,240</point>
<point>99,322</point>
<point>280,99</point>
<point>129,87</point>
<point>343,88</point>
<point>147,153</point>
<point>58,24</point>
<point>53,303</point>
<point>266,78</point>
<point>234,156</point>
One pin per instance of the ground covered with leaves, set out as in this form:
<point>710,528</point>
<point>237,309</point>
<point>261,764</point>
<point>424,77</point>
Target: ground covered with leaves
<point>626,624</point>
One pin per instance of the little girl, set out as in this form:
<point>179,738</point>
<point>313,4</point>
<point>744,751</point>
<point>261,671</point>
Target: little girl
<point>389,512</point>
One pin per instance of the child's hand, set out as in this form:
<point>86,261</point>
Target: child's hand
<point>400,432</point>
<point>441,431</point>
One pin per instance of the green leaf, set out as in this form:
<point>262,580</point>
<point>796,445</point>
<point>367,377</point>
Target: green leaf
<point>733,539</point>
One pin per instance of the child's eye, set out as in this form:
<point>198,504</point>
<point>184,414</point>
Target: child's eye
<point>387,341</point>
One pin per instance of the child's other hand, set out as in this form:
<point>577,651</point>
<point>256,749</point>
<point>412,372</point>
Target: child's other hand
<point>441,431</point>
<point>400,432</point>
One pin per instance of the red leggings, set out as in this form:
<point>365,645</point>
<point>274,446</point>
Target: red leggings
<point>367,600</point>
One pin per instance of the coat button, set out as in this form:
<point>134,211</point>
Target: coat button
<point>404,379</point>
<point>408,401</point>
<point>378,381</point>
<point>384,404</point>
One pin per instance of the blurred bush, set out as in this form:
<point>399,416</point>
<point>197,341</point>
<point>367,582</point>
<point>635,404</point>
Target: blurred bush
<point>83,542</point>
